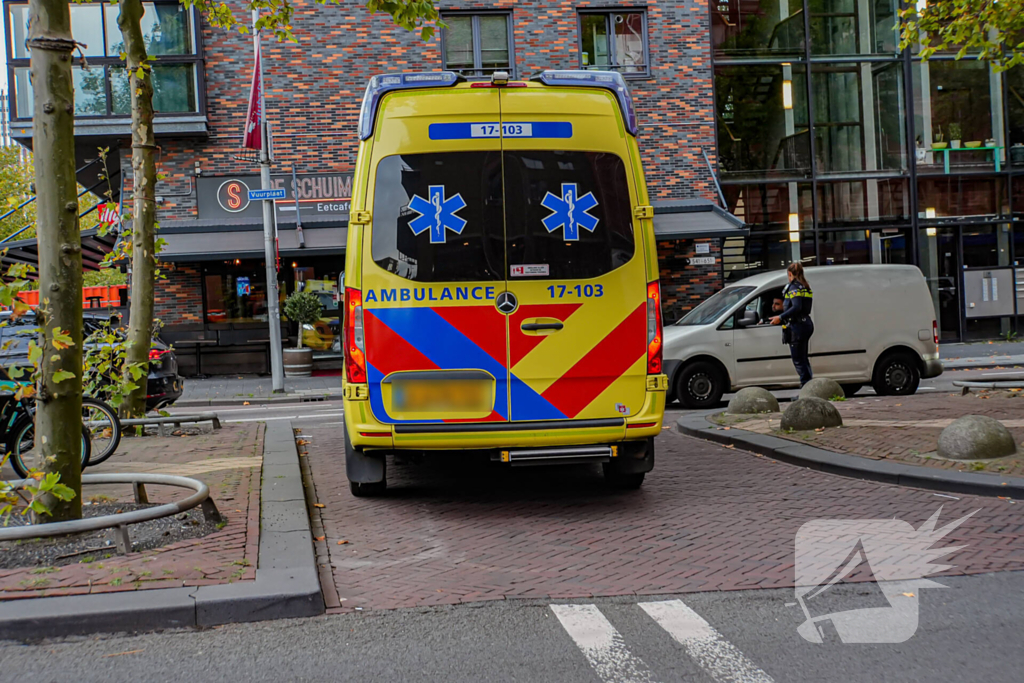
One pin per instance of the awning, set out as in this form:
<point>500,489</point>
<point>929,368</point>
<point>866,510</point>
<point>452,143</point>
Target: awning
<point>693,218</point>
<point>215,240</point>
<point>95,248</point>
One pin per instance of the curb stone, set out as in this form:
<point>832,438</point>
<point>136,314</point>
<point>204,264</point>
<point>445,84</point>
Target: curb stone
<point>256,400</point>
<point>886,471</point>
<point>287,584</point>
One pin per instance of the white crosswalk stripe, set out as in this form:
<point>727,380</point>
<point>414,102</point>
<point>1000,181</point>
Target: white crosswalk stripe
<point>606,651</point>
<point>601,644</point>
<point>704,644</point>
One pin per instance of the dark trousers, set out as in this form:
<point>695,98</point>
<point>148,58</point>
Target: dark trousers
<point>801,334</point>
<point>798,351</point>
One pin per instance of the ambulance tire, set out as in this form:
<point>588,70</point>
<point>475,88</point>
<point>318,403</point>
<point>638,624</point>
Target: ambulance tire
<point>700,385</point>
<point>627,471</point>
<point>625,481</point>
<point>367,474</point>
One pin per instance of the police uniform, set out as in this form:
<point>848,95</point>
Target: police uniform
<point>797,326</point>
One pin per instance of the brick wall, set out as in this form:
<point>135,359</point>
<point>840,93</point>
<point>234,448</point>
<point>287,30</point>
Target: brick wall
<point>684,286</point>
<point>179,295</point>
<point>314,89</point>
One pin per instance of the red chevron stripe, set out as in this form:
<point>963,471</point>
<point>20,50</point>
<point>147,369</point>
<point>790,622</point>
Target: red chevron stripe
<point>389,352</point>
<point>521,344</point>
<point>482,325</point>
<point>603,364</point>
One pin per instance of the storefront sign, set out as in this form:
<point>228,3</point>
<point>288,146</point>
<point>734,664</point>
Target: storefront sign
<point>319,194</point>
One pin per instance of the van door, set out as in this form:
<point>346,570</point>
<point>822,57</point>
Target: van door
<point>433,266</point>
<point>760,356</point>
<point>578,328</point>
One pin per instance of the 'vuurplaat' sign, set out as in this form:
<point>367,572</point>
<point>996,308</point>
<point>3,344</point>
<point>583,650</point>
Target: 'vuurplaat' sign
<point>319,194</point>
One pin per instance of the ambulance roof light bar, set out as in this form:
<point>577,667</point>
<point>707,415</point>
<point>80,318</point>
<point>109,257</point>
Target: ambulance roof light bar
<point>609,80</point>
<point>385,83</point>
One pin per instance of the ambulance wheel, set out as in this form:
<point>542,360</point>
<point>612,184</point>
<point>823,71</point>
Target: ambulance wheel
<point>625,481</point>
<point>367,474</point>
<point>367,490</point>
<point>896,375</point>
<point>700,385</point>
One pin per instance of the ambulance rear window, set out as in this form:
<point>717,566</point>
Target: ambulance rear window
<point>438,217</point>
<point>567,213</point>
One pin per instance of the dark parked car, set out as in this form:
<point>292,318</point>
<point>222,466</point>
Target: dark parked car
<point>163,387</point>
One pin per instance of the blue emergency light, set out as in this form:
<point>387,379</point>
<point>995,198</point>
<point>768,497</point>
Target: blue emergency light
<point>609,80</point>
<point>385,83</point>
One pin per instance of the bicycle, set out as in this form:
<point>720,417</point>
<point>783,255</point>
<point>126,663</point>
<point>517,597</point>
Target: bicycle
<point>17,431</point>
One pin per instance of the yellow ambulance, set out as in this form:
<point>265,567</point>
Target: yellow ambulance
<point>501,277</point>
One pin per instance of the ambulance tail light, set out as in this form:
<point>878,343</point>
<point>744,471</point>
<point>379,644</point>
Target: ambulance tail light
<point>355,343</point>
<point>654,332</point>
<point>935,332</point>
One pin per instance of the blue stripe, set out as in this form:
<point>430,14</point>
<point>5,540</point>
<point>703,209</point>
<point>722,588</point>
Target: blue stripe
<point>464,131</point>
<point>449,349</point>
<point>527,404</point>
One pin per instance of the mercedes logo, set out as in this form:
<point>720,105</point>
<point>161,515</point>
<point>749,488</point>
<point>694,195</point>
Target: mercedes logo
<point>507,303</point>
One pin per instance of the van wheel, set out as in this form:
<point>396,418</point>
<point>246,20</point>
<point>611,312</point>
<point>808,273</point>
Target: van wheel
<point>700,385</point>
<point>851,389</point>
<point>896,375</point>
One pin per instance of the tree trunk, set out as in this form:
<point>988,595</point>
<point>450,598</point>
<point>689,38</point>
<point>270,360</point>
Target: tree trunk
<point>140,324</point>
<point>58,404</point>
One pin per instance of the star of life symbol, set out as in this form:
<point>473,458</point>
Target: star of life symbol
<point>569,212</point>
<point>898,557</point>
<point>437,214</point>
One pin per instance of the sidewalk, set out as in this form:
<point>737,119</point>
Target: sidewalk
<point>981,355</point>
<point>901,429</point>
<point>235,389</point>
<point>228,460</point>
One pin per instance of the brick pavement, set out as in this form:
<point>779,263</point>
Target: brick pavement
<point>228,460</point>
<point>708,518</point>
<point>906,429</point>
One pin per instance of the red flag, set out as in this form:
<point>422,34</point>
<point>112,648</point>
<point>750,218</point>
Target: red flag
<point>251,139</point>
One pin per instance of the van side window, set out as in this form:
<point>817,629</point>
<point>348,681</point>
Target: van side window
<point>438,217</point>
<point>568,211</point>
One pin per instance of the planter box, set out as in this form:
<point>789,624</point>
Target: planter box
<point>298,362</point>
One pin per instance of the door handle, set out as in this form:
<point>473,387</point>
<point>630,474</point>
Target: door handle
<point>533,327</point>
<point>541,326</point>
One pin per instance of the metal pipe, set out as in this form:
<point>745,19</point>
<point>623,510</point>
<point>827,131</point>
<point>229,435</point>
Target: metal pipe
<point>721,195</point>
<point>202,493</point>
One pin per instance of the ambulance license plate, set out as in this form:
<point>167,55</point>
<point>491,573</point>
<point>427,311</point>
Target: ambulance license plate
<point>441,396</point>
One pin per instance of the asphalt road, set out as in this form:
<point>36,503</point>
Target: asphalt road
<point>969,631</point>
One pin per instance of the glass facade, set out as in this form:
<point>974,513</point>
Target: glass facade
<point>101,88</point>
<point>836,148</point>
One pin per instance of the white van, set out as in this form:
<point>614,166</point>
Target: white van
<point>872,325</point>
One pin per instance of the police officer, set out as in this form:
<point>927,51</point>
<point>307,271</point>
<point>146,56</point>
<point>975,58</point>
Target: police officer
<point>796,320</point>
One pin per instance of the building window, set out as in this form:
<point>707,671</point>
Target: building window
<point>615,41</point>
<point>101,88</point>
<point>478,44</point>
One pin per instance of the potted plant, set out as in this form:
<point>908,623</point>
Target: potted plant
<point>303,308</point>
<point>954,135</point>
<point>939,140</point>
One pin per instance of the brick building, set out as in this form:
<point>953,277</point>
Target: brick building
<point>782,101</point>
<point>313,91</point>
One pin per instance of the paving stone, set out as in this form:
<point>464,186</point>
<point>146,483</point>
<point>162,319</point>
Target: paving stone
<point>707,518</point>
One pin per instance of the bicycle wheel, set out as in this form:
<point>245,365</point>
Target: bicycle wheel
<point>104,429</point>
<point>25,457</point>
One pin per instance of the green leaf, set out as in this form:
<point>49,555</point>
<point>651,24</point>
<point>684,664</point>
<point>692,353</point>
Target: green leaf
<point>62,375</point>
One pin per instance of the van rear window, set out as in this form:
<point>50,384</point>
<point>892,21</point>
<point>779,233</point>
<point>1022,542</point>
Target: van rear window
<point>438,217</point>
<point>568,212</point>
